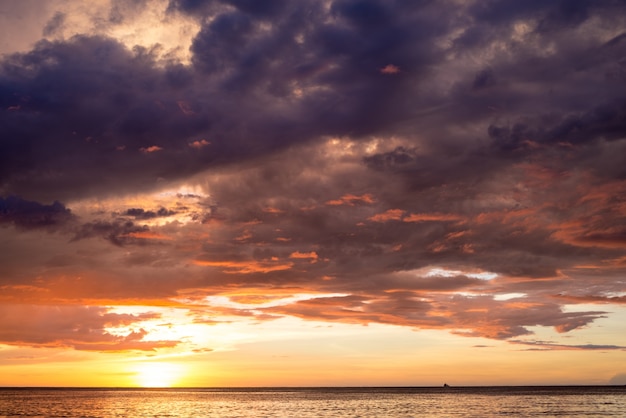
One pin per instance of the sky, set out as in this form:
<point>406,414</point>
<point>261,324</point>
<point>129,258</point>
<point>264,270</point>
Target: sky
<point>312,192</point>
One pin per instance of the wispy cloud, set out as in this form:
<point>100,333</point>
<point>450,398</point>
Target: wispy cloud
<point>547,345</point>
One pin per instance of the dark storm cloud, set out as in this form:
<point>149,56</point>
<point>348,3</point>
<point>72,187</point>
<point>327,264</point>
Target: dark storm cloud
<point>270,74</point>
<point>547,17</point>
<point>118,232</point>
<point>334,66</point>
<point>604,122</point>
<point>31,215</point>
<point>142,214</point>
<point>89,105</point>
<point>77,114</point>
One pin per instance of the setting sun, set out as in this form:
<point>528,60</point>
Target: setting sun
<point>157,375</point>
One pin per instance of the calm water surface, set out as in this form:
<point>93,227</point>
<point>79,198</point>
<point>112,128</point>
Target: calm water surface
<point>600,401</point>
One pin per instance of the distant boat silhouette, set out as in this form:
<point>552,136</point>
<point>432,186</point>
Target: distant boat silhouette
<point>445,385</point>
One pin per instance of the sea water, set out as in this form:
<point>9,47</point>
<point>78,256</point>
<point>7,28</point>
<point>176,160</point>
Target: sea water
<point>588,401</point>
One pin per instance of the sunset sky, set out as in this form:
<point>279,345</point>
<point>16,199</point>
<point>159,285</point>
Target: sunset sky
<point>312,192</point>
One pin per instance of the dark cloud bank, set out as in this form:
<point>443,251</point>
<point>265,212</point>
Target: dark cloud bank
<point>378,137</point>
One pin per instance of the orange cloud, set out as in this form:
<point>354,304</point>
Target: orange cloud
<point>147,235</point>
<point>246,267</point>
<point>593,299</point>
<point>518,217</point>
<point>390,215</point>
<point>592,231</point>
<point>430,217</point>
<point>273,210</point>
<point>351,200</point>
<point>311,256</point>
<point>245,235</point>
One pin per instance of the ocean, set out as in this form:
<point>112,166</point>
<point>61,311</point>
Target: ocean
<point>535,401</point>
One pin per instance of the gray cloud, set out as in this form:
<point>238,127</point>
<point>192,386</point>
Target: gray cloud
<point>30,215</point>
<point>547,345</point>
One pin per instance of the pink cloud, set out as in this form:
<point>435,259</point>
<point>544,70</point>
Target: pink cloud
<point>390,69</point>
<point>150,149</point>
<point>351,200</point>
<point>389,215</point>
<point>198,144</point>
<point>185,108</point>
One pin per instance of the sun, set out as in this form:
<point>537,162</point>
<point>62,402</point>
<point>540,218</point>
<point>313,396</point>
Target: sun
<point>157,374</point>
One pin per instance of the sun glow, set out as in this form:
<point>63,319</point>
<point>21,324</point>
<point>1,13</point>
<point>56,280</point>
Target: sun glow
<point>157,375</point>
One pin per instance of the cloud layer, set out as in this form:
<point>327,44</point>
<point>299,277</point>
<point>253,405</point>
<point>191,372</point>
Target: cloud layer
<point>444,165</point>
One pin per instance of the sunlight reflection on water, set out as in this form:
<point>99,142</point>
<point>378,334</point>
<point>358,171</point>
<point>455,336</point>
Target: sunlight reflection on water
<point>316,402</point>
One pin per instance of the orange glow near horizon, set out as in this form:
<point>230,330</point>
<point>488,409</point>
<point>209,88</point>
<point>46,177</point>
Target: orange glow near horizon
<point>294,352</point>
<point>156,374</point>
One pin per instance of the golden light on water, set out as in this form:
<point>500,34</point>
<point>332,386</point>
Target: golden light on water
<point>157,374</point>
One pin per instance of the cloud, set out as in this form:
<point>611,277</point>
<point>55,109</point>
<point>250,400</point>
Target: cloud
<point>311,256</point>
<point>344,147</point>
<point>390,69</point>
<point>28,214</point>
<point>428,217</point>
<point>278,82</point>
<point>546,345</point>
<point>389,215</point>
<point>150,149</point>
<point>87,119</point>
<point>199,143</point>
<point>54,24</point>
<point>351,200</point>
<point>246,267</point>
<point>593,299</point>
<point>78,327</point>
<point>140,213</point>
<point>118,233</point>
